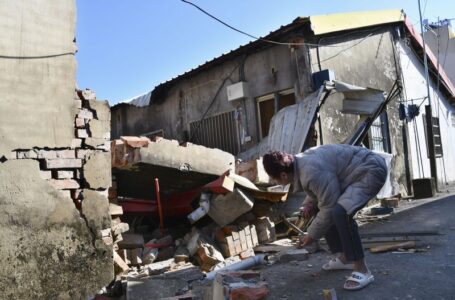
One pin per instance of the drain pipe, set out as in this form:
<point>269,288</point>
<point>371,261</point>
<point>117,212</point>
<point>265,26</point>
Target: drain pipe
<point>259,259</point>
<point>202,210</point>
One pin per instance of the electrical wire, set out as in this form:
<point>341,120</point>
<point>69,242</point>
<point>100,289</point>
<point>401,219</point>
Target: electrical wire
<point>36,57</point>
<point>248,34</point>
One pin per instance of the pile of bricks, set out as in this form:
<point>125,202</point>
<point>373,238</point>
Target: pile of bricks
<point>237,240</point>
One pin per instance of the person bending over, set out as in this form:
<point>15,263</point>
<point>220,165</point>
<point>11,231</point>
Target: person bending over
<point>339,180</point>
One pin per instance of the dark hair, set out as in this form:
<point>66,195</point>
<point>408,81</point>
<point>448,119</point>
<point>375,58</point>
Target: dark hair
<point>276,162</point>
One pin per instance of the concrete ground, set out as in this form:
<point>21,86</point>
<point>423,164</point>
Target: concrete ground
<point>425,275</point>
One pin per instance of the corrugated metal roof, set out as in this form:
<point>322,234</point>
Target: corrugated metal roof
<point>320,25</point>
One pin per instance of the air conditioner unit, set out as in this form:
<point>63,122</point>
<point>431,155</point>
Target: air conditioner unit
<point>237,91</point>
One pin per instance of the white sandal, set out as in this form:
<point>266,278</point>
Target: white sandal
<point>362,279</point>
<point>337,264</point>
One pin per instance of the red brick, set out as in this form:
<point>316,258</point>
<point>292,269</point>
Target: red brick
<point>135,142</point>
<point>65,154</point>
<point>45,174</point>
<point>62,163</point>
<point>243,240</point>
<point>65,174</point>
<point>85,114</point>
<point>82,133</point>
<point>64,184</point>
<point>26,154</point>
<point>83,153</point>
<point>252,292</point>
<point>46,154</point>
<point>254,236</point>
<point>80,123</point>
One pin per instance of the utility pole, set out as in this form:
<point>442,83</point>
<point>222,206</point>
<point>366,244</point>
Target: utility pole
<point>428,108</point>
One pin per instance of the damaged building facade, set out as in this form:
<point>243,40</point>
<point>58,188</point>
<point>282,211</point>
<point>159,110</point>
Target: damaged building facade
<point>229,102</point>
<point>54,160</point>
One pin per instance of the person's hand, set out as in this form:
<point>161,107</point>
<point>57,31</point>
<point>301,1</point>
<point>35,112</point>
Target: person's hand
<point>307,210</point>
<point>307,240</point>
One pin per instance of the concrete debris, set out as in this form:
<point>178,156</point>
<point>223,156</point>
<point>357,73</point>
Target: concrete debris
<point>159,267</point>
<point>253,170</point>
<point>239,285</point>
<point>208,256</point>
<point>293,255</point>
<point>226,208</point>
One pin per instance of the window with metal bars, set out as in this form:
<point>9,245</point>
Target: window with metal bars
<point>379,134</point>
<point>219,131</point>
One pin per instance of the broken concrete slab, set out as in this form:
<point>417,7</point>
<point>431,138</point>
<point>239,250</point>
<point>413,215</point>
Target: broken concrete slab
<point>94,178</point>
<point>159,267</point>
<point>63,245</point>
<point>226,208</point>
<point>154,288</point>
<point>179,169</point>
<point>62,163</point>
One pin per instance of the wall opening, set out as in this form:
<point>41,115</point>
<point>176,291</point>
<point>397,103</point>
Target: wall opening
<point>268,105</point>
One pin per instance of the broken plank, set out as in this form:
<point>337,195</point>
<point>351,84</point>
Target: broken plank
<point>396,246</point>
<point>120,262</point>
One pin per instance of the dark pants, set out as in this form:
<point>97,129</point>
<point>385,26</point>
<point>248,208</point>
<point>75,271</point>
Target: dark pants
<point>343,235</point>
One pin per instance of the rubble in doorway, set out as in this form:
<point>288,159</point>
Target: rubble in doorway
<point>179,220</point>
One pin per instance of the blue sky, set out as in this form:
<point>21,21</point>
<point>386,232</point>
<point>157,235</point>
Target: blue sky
<point>125,48</point>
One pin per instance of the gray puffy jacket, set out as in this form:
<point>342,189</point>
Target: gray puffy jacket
<point>334,173</point>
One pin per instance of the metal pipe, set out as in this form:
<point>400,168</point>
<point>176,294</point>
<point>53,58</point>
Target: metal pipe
<point>158,200</point>
<point>241,265</point>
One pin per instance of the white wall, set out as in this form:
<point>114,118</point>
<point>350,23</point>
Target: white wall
<point>415,88</point>
<point>443,48</point>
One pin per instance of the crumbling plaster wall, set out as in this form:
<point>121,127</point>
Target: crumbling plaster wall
<point>266,71</point>
<point>366,59</point>
<point>50,241</point>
